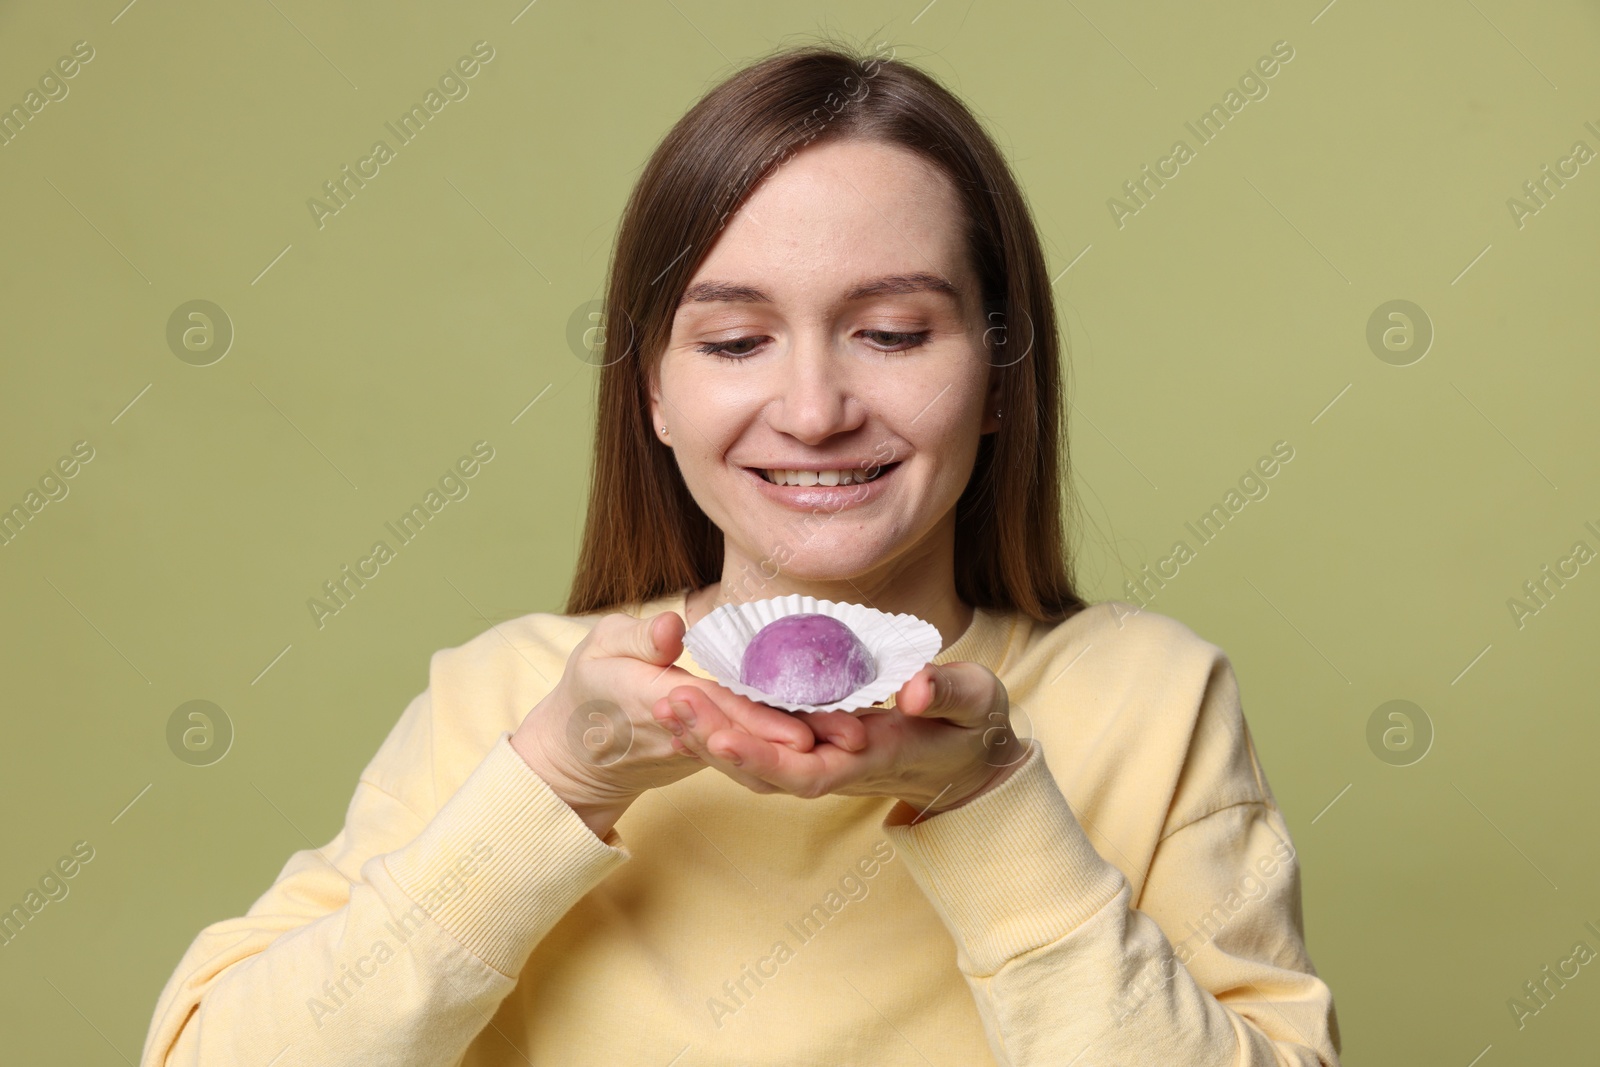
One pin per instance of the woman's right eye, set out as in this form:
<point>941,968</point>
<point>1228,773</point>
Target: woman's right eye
<point>725,348</point>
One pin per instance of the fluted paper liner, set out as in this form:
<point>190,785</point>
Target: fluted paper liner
<point>900,644</point>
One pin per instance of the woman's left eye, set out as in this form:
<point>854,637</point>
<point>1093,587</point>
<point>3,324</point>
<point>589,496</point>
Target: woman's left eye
<point>907,340</point>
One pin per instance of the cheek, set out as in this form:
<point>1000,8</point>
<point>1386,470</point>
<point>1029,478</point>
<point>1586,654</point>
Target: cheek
<point>948,426</point>
<point>702,429</point>
<point>948,446</point>
<point>707,410</point>
<point>956,463</point>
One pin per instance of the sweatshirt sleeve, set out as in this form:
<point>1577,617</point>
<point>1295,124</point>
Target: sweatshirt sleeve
<point>396,941</point>
<point>1064,969</point>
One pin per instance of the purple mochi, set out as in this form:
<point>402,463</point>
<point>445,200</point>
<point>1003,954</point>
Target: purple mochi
<point>807,658</point>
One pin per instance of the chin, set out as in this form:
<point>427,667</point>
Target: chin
<point>825,563</point>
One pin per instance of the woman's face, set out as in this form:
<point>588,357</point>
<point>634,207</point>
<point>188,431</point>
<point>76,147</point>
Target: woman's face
<point>835,329</point>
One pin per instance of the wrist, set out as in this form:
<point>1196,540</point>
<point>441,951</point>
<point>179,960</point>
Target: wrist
<point>996,780</point>
<point>997,777</point>
<point>600,819</point>
<point>600,815</point>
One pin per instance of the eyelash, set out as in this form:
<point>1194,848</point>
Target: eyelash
<point>719,348</point>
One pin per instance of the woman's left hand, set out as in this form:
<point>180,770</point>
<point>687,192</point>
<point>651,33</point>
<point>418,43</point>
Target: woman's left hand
<point>947,740</point>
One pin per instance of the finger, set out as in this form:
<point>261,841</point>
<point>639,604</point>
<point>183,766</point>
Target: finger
<point>697,714</point>
<point>773,768</point>
<point>838,728</point>
<point>650,640</point>
<point>962,693</point>
<point>765,767</point>
<point>702,720</point>
<point>762,720</point>
<point>661,710</point>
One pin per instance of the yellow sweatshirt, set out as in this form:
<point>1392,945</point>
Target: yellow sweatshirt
<point>1129,896</point>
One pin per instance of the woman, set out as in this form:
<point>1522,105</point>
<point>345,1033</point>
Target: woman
<point>830,368</point>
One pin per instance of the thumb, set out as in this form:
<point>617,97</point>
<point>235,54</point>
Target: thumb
<point>658,642</point>
<point>651,640</point>
<point>962,693</point>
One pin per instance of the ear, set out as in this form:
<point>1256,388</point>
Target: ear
<point>658,407</point>
<point>991,403</point>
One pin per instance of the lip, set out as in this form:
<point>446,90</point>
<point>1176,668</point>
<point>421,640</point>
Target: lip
<point>827,497</point>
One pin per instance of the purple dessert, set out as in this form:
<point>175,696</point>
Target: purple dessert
<point>807,658</point>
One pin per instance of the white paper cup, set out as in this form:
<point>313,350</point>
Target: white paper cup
<point>900,644</point>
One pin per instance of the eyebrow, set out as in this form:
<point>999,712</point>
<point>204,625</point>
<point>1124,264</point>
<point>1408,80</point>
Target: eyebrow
<point>712,292</point>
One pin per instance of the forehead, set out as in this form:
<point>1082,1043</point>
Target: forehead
<point>833,217</point>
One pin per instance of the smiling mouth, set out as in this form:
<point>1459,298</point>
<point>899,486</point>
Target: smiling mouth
<point>826,478</point>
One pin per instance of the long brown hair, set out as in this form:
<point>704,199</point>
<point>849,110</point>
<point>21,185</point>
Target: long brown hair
<point>644,535</point>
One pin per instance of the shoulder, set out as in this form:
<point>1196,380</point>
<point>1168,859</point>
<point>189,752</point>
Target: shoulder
<point>525,645</point>
<point>1117,637</point>
<point>478,690</point>
<point>1130,693</point>
<point>511,665</point>
<point>516,657</point>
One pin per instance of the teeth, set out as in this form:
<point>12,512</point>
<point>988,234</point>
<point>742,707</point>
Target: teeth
<point>849,476</point>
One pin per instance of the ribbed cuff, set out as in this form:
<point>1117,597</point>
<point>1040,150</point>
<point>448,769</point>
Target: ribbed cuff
<point>1011,871</point>
<point>503,860</point>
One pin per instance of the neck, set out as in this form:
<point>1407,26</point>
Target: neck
<point>921,582</point>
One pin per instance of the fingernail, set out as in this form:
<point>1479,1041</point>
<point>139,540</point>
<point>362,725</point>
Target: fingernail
<point>733,758</point>
<point>675,726</point>
<point>683,712</point>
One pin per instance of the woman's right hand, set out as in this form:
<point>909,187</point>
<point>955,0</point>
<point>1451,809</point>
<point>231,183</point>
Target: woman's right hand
<point>594,739</point>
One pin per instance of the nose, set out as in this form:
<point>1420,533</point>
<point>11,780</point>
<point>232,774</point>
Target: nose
<point>815,389</point>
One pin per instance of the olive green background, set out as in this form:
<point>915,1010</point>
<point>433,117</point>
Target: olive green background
<point>1231,312</point>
